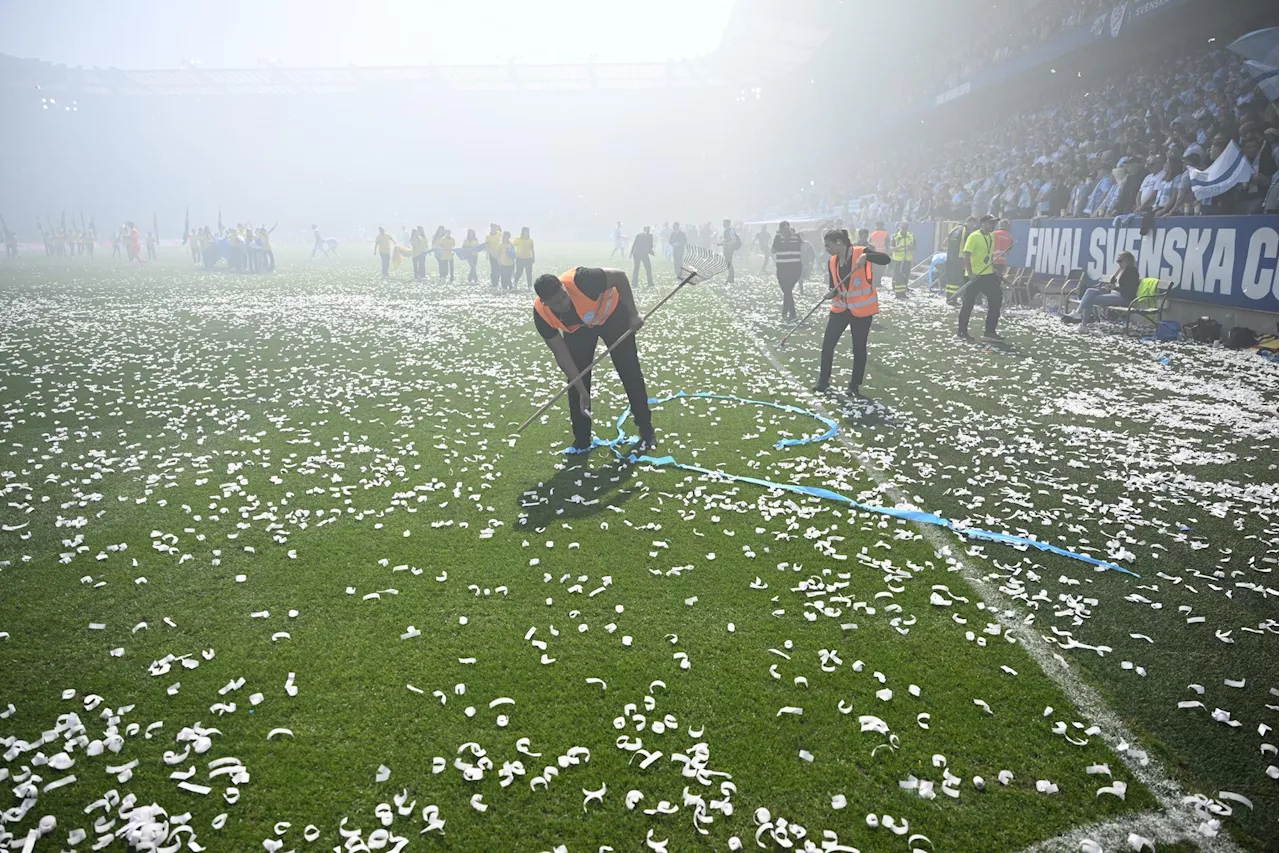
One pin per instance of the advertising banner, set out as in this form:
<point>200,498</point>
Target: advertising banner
<point>1223,260</point>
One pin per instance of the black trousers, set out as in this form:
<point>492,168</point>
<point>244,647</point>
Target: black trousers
<point>988,285</point>
<point>419,267</point>
<point>386,266</point>
<point>626,361</point>
<point>504,277</point>
<point>524,266</point>
<point>472,278</point>
<point>493,270</point>
<point>648,270</point>
<point>677,258</point>
<point>860,327</point>
<point>728,259</point>
<point>446,268</point>
<point>788,278</point>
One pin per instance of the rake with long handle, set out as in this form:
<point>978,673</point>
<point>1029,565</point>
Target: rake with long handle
<point>708,266</point>
<point>806,317</point>
<point>954,299</point>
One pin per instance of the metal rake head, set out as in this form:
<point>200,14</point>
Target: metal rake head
<point>701,264</point>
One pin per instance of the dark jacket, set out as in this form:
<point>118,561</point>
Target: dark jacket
<point>643,245</point>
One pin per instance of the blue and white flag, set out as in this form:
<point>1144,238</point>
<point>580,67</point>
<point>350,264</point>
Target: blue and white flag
<point>1259,45</point>
<point>1262,76</point>
<point>1230,170</point>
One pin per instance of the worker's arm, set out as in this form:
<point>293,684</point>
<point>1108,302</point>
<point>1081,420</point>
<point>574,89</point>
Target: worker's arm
<point>618,279</point>
<point>968,267</point>
<point>570,368</point>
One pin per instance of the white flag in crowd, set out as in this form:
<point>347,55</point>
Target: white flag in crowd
<point>1229,170</point>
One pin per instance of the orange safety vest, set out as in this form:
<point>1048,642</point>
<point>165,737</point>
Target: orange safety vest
<point>880,239</point>
<point>1003,243</point>
<point>592,312</point>
<point>858,294</point>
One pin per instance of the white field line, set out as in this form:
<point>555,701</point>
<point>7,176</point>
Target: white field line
<point>1176,822</point>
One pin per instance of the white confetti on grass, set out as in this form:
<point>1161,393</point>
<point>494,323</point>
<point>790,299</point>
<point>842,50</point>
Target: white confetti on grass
<point>323,463</point>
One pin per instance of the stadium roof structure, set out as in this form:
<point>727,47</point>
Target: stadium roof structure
<point>761,41</point>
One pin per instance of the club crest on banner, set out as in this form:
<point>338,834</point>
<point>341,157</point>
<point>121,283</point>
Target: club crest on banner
<point>1117,18</point>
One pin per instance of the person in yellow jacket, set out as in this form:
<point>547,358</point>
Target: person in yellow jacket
<point>471,254</point>
<point>852,281</point>
<point>418,245</point>
<point>491,244</point>
<point>445,254</point>
<point>506,261</point>
<point>980,270</point>
<point>382,245</point>
<point>902,248</point>
<point>524,256</point>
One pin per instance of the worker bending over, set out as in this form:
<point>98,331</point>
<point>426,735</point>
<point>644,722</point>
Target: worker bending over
<point>572,312</point>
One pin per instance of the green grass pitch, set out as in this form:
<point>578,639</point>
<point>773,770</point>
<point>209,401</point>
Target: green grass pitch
<point>292,502</point>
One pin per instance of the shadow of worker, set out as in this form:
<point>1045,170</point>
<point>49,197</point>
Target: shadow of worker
<point>587,484</point>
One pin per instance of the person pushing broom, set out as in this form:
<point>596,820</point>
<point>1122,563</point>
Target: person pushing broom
<point>574,310</point>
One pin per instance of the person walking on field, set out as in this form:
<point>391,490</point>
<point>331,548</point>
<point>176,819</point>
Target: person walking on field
<point>679,240</point>
<point>955,265</point>
<point>787,247</point>
<point>903,252</point>
<point>572,312</point>
<point>135,244</point>
<point>619,241</point>
<point>730,242</point>
<point>471,254</point>
<point>506,261</point>
<point>382,245</point>
<point>418,244</point>
<point>319,246</point>
<point>445,259</point>
<point>641,249</point>
<point>524,256</point>
<point>491,244</point>
<point>854,303</point>
<point>763,241</point>
<point>979,266</point>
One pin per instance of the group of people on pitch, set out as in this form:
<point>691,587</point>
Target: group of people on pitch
<point>578,308</point>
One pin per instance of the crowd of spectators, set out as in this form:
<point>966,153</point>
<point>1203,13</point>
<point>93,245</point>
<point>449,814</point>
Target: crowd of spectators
<point>1117,149</point>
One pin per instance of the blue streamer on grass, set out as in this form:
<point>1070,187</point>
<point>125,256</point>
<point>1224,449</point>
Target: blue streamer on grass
<point>917,516</point>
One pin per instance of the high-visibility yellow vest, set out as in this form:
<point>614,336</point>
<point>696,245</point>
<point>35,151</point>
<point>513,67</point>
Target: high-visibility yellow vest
<point>904,246</point>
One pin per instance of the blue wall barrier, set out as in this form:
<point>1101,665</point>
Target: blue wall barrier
<point>1221,260</point>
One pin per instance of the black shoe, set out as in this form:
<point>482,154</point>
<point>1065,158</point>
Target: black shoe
<point>582,448</point>
<point>964,336</point>
<point>852,391</point>
<point>992,336</point>
<point>647,443</point>
<point>820,388</point>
